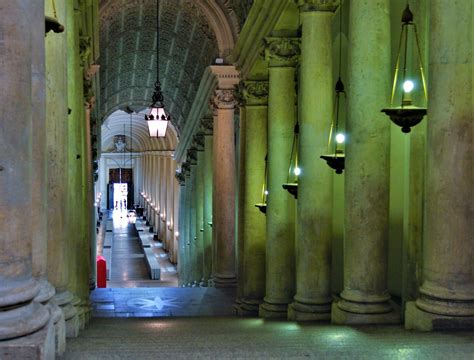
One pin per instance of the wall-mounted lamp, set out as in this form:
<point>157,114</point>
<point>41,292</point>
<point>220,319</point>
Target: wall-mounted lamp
<point>294,170</point>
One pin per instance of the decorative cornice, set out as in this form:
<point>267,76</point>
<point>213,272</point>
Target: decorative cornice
<point>227,76</point>
<point>282,52</point>
<point>318,5</point>
<point>224,99</point>
<point>254,93</point>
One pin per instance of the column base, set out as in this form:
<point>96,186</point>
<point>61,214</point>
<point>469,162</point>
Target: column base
<point>204,283</point>
<point>273,311</point>
<point>306,312</point>
<point>225,282</point>
<point>39,345</point>
<point>418,319</point>
<point>47,291</point>
<point>59,328</point>
<point>63,300</point>
<point>248,308</point>
<point>343,317</point>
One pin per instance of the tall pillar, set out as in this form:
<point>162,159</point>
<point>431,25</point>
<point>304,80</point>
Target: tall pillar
<point>283,54</point>
<point>199,144</point>
<point>365,298</point>
<point>20,316</point>
<point>224,176</point>
<point>314,208</point>
<point>252,232</point>
<point>57,146</point>
<point>446,299</point>
<point>206,126</point>
<point>193,262</point>
<point>186,238</point>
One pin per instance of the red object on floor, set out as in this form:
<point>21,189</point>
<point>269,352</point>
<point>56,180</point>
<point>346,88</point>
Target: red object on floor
<point>101,272</point>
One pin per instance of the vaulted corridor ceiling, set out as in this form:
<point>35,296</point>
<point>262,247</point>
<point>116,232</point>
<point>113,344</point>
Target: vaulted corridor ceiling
<point>192,34</point>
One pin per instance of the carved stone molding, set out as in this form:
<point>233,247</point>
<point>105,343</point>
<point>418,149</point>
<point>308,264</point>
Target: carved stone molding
<point>254,92</point>
<point>284,52</point>
<point>318,5</point>
<point>185,168</point>
<point>224,99</point>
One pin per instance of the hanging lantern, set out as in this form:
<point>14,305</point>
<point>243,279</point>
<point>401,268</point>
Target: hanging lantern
<point>294,171</point>
<point>407,115</point>
<point>263,205</point>
<point>52,23</point>
<point>336,141</point>
<point>157,118</point>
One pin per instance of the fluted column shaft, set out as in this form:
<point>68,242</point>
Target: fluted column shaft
<point>199,216</point>
<point>280,226</point>
<point>314,208</point>
<point>253,150</point>
<point>447,294</point>
<point>365,298</point>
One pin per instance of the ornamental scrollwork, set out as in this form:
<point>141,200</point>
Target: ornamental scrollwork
<point>282,51</point>
<point>318,5</point>
<point>254,92</point>
<point>224,99</point>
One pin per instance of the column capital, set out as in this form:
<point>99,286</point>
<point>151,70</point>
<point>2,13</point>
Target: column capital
<point>191,157</point>
<point>254,92</point>
<point>207,126</point>
<point>227,76</point>
<point>224,99</point>
<point>198,141</point>
<point>179,175</point>
<point>282,51</point>
<point>318,5</point>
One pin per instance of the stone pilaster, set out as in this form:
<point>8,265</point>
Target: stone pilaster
<point>20,316</point>
<point>314,208</point>
<point>224,176</point>
<point>446,299</point>
<point>365,298</point>
<point>253,150</point>
<point>207,125</point>
<point>283,55</point>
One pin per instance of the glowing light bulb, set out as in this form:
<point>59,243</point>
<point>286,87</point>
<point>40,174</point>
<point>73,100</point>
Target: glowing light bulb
<point>340,138</point>
<point>176,234</point>
<point>266,192</point>
<point>297,171</point>
<point>408,86</point>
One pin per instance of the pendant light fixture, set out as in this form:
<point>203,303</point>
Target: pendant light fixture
<point>294,171</point>
<point>407,115</point>
<point>157,118</point>
<point>263,205</point>
<point>336,157</point>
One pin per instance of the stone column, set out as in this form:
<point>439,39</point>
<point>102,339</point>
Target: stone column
<point>199,144</point>
<point>186,236</point>
<point>365,298</point>
<point>446,299</point>
<point>57,146</point>
<point>20,316</point>
<point>314,208</point>
<point>224,177</point>
<point>206,126</point>
<point>252,232</point>
<point>192,159</point>
<point>283,54</point>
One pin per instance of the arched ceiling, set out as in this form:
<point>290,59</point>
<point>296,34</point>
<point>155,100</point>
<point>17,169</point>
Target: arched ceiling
<point>135,129</point>
<point>192,34</point>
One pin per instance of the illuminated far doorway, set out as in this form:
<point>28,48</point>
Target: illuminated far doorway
<point>120,196</point>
